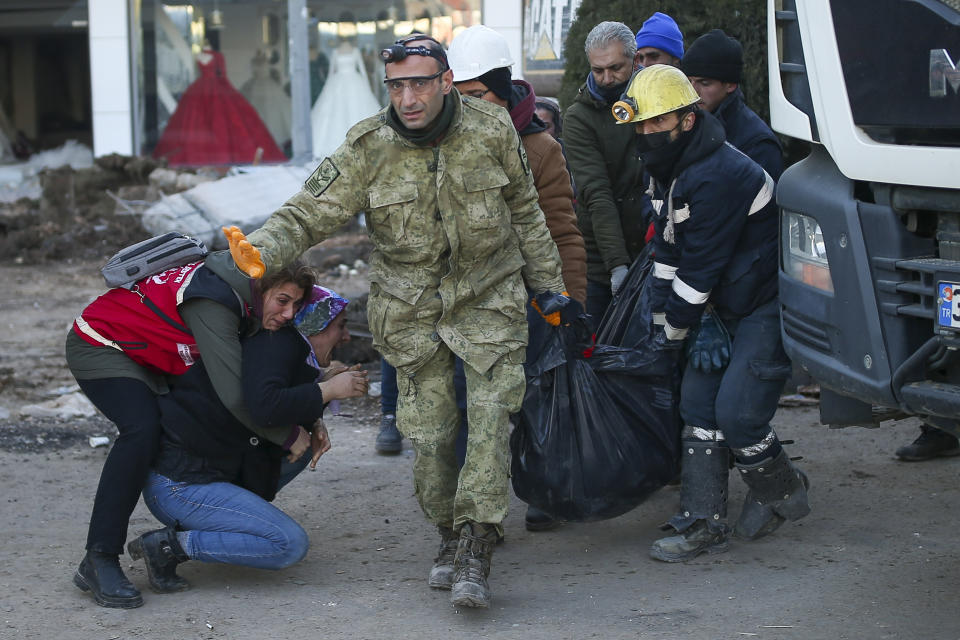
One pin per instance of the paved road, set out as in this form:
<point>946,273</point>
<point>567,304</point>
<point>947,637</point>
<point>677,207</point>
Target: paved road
<point>877,558</point>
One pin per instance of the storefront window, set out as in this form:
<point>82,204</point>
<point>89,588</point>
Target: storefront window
<point>213,75</point>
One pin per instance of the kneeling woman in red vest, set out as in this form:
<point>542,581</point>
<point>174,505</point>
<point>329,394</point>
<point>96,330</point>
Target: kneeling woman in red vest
<point>125,347</point>
<point>213,479</point>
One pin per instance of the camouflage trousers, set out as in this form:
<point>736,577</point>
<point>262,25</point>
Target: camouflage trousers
<point>427,414</point>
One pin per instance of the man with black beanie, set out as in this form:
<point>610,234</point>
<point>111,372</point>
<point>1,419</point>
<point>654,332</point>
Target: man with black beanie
<point>714,65</point>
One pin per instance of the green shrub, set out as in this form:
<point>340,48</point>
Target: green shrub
<point>745,20</point>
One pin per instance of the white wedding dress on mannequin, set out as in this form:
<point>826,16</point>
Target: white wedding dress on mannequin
<point>345,100</point>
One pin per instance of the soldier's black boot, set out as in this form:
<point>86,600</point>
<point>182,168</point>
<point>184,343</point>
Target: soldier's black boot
<point>701,523</point>
<point>161,552</point>
<point>778,492</point>
<point>442,572</point>
<point>474,551</point>
<point>101,575</point>
<point>389,440</point>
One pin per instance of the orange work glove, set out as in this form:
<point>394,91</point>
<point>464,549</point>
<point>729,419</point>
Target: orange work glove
<point>245,255</point>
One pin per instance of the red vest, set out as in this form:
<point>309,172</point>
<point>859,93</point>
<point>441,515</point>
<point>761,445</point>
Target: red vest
<point>144,323</point>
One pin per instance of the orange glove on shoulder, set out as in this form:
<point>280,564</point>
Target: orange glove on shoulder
<point>245,255</point>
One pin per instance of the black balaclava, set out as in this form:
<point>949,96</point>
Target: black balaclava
<point>660,158</point>
<point>499,81</point>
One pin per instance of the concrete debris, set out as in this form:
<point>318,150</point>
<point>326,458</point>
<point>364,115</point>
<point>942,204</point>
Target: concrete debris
<point>163,179</point>
<point>244,199</point>
<point>71,405</point>
<point>22,179</point>
<point>186,181</point>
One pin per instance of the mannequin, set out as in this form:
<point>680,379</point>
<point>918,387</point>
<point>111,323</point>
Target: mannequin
<point>345,100</point>
<point>213,123</point>
<point>267,96</point>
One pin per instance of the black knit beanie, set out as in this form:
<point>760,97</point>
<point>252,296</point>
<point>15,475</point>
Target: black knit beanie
<point>499,81</point>
<point>714,55</point>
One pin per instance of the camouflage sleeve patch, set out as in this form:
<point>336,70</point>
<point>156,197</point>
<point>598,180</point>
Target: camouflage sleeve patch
<point>322,178</point>
<point>523,157</point>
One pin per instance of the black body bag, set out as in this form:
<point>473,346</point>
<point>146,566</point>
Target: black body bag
<point>597,435</point>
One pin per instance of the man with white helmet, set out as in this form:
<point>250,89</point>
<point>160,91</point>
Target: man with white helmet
<point>480,59</point>
<point>716,242</point>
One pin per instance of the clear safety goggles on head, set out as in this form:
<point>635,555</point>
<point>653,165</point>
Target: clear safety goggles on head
<point>418,84</point>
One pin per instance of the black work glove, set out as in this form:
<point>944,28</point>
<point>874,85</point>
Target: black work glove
<point>708,349</point>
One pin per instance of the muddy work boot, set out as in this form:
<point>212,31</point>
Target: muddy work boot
<point>442,572</point>
<point>932,443</point>
<point>161,552</point>
<point>701,523</point>
<point>474,550</point>
<point>389,440</point>
<point>778,492</point>
<point>101,575</point>
<point>699,538</point>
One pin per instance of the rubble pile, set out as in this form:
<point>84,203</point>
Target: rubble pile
<point>64,208</point>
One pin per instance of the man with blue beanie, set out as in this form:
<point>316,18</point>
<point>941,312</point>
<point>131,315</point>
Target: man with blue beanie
<point>659,41</point>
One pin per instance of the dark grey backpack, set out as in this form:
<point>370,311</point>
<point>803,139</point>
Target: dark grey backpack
<point>150,257</point>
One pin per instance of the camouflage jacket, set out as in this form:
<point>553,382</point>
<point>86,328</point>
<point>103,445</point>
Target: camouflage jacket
<point>454,227</point>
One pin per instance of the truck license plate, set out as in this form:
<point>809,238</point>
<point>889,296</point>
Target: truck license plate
<point>948,315</point>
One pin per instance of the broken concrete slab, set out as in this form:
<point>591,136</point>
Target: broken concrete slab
<point>246,200</point>
<point>71,405</point>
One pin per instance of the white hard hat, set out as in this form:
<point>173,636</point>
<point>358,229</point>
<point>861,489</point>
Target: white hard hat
<point>475,51</point>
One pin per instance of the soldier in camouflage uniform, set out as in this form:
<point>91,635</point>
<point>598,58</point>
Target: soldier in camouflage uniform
<point>452,211</point>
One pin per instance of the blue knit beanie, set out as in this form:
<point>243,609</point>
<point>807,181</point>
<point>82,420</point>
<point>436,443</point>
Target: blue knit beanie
<point>660,31</point>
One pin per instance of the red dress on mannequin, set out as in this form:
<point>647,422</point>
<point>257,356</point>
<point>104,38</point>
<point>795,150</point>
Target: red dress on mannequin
<point>214,123</point>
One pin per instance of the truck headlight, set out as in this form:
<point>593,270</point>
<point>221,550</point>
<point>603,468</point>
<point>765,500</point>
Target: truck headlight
<point>804,252</point>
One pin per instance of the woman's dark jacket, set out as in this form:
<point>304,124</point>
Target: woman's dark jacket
<point>203,442</point>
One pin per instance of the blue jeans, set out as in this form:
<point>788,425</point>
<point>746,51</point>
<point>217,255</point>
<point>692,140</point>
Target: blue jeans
<point>388,388</point>
<point>222,522</point>
<point>741,399</point>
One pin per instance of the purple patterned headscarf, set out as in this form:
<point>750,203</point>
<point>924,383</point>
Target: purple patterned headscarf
<point>319,310</point>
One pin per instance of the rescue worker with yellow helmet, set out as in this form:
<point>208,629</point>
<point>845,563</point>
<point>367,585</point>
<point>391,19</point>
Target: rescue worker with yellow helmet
<point>715,243</point>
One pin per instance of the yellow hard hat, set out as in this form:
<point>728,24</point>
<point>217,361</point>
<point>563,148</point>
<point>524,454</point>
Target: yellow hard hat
<point>654,91</point>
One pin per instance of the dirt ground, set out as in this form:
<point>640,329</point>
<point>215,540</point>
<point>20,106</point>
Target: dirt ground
<point>877,558</point>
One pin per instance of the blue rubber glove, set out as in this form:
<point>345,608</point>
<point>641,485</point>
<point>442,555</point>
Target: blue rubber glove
<point>662,343</point>
<point>708,349</point>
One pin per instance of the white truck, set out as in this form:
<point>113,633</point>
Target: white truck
<point>870,219</point>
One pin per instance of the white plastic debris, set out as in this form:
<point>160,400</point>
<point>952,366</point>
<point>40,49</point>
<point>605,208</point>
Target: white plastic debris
<point>374,390</point>
<point>98,441</point>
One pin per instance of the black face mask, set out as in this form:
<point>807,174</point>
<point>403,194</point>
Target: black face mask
<point>659,153</point>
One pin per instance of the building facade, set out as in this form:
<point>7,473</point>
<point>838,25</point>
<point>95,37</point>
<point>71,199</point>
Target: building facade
<point>112,73</point>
